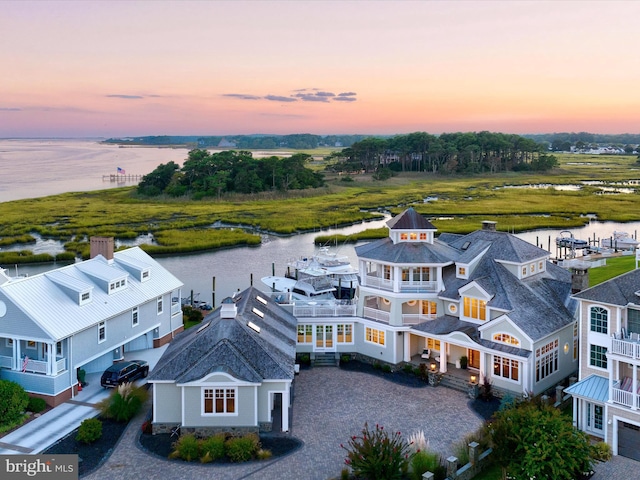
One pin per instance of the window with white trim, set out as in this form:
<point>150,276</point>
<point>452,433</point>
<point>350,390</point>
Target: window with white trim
<point>102,332</point>
<point>9,342</point>
<point>433,344</point>
<point>598,319</point>
<point>506,338</point>
<point>134,317</point>
<point>219,401</point>
<point>475,308</point>
<point>546,360</point>
<point>506,368</point>
<point>58,349</point>
<point>344,332</point>
<point>373,335</point>
<point>305,333</point>
<point>159,305</point>
<point>598,356</point>
<point>31,344</point>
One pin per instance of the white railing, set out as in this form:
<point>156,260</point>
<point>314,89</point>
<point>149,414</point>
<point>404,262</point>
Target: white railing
<point>5,362</point>
<point>322,310</point>
<point>375,314</point>
<point>61,365</point>
<point>626,348</point>
<point>34,366</point>
<point>378,282</point>
<point>416,318</point>
<point>622,397</point>
<point>418,287</point>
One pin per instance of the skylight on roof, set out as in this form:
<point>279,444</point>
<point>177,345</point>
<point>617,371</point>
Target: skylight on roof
<point>253,326</point>
<point>203,327</point>
<point>257,312</point>
<point>465,245</point>
<point>261,300</point>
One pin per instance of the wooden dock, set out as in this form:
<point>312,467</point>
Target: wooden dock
<point>120,178</point>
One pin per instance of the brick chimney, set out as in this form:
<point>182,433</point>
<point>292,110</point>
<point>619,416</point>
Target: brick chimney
<point>579,276</point>
<point>101,246</point>
<point>489,225</point>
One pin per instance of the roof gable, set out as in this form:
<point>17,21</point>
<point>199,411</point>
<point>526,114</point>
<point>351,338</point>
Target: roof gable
<point>410,220</point>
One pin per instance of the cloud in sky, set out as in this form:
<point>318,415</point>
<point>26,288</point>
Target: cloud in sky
<point>10,109</point>
<point>301,94</point>
<point>126,97</point>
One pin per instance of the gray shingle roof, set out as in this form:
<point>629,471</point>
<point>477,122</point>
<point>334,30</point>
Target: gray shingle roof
<point>620,290</point>
<point>409,253</point>
<point>410,220</point>
<point>229,345</point>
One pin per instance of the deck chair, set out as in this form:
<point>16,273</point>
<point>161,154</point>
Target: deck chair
<point>426,353</point>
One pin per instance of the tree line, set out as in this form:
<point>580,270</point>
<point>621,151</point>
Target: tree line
<point>448,153</point>
<point>205,174</point>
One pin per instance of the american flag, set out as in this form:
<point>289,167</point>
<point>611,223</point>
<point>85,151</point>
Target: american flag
<point>25,362</point>
<point>121,170</point>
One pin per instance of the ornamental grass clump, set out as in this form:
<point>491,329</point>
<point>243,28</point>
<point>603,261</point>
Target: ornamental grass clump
<point>242,449</point>
<point>212,448</point>
<point>377,454</point>
<point>123,403</point>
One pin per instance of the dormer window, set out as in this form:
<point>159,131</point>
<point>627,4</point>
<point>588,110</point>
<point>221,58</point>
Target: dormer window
<point>423,236</point>
<point>475,308</point>
<point>462,271</point>
<point>146,274</point>
<point>413,236</point>
<point>85,297</point>
<point>506,338</point>
<point>117,285</point>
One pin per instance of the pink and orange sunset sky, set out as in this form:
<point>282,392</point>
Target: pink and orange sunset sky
<point>116,68</point>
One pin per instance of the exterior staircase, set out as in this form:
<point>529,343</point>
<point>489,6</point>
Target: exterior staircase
<point>325,360</point>
<point>455,382</point>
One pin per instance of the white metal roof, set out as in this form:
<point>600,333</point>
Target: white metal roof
<point>59,315</point>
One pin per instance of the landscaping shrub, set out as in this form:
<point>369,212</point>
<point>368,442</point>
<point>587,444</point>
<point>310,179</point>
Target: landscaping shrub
<point>601,451</point>
<point>13,403</point>
<point>242,449</point>
<point>426,461</point>
<point>36,404</point>
<point>123,403</point>
<point>90,430</point>
<point>377,454</point>
<point>263,454</point>
<point>187,448</point>
<point>212,448</point>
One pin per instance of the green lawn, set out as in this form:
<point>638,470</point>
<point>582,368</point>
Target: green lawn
<point>615,266</point>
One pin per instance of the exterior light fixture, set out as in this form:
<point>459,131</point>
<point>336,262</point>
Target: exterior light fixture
<point>432,366</point>
<point>473,379</point>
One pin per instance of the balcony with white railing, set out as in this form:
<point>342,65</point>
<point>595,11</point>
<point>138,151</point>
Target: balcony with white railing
<point>624,397</point>
<point>376,314</point>
<point>405,286</point>
<point>35,366</point>
<point>416,318</point>
<point>331,309</point>
<point>626,347</point>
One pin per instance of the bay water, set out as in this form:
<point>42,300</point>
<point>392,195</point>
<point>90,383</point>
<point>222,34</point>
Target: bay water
<point>36,168</point>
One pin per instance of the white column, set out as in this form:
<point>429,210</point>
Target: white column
<point>49,352</point>
<point>17,360</point>
<point>443,357</point>
<point>407,346</point>
<point>525,369</point>
<point>285,410</point>
<point>634,391</point>
<point>483,367</point>
<point>610,372</point>
<point>575,412</point>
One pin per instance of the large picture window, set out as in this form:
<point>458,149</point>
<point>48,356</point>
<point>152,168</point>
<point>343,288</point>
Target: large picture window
<point>475,308</point>
<point>219,401</point>
<point>373,335</point>
<point>345,333</point>
<point>633,320</point>
<point>506,368</point>
<point>598,356</point>
<point>102,332</point>
<point>546,360</point>
<point>598,319</point>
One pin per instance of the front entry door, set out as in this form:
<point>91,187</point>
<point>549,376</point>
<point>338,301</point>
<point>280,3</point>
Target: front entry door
<point>324,338</point>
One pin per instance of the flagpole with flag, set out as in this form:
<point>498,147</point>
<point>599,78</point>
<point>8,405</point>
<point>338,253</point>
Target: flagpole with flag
<point>121,171</point>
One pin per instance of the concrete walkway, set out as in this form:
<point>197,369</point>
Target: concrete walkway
<point>44,431</point>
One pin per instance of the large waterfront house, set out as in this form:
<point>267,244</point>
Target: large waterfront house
<point>488,296</point>
<point>233,373</point>
<point>83,317</point>
<point>606,398</point>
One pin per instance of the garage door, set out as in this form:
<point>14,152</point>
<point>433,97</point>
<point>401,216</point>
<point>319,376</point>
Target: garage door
<point>629,440</point>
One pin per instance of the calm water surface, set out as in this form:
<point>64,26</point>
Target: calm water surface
<point>34,168</point>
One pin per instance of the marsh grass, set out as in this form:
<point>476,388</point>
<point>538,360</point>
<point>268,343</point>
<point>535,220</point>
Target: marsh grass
<point>183,225</point>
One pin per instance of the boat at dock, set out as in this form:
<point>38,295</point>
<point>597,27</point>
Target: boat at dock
<point>567,240</point>
<point>292,290</point>
<point>620,241</point>
<point>337,268</point>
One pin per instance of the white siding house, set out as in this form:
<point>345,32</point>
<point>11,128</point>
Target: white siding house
<point>84,316</point>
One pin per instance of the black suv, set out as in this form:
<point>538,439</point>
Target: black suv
<point>122,372</point>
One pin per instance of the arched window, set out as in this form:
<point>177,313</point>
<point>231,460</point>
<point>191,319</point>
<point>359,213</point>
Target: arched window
<point>506,338</point>
<point>599,319</point>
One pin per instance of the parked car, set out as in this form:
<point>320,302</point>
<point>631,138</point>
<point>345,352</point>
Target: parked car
<point>122,372</point>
